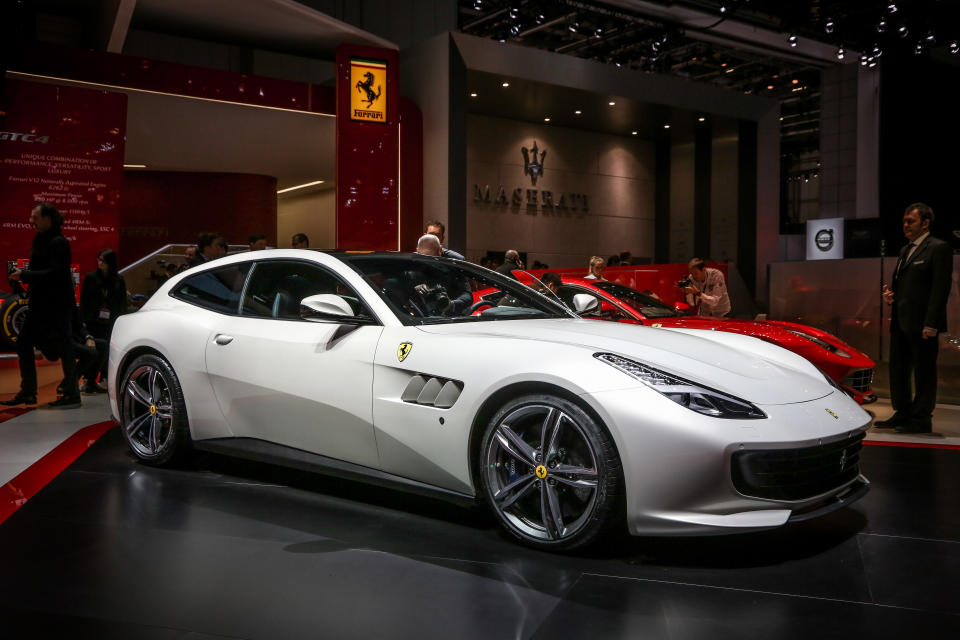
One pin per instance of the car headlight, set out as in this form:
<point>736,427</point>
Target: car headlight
<point>820,343</point>
<point>688,394</point>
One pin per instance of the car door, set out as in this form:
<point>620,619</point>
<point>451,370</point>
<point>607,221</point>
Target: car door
<point>298,383</point>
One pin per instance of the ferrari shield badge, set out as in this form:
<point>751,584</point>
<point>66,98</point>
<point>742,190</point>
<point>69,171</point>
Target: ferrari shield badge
<point>404,350</point>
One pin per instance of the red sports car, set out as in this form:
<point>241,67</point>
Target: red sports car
<point>850,368</point>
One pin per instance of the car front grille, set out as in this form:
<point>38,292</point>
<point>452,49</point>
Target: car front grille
<point>797,474</point>
<point>861,379</point>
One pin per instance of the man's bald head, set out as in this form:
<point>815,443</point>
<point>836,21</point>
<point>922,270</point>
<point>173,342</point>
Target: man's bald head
<point>429,245</point>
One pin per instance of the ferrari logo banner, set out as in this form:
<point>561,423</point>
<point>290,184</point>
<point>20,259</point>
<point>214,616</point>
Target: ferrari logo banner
<point>368,99</point>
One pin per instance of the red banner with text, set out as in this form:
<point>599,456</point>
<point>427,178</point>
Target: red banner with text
<point>65,146</point>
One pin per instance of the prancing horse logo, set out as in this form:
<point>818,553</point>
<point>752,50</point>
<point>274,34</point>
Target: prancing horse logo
<point>367,86</point>
<point>404,350</point>
<point>533,168</point>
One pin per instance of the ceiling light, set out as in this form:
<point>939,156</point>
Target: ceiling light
<point>134,166</point>
<point>840,53</point>
<point>730,70</point>
<point>902,31</point>
<point>876,51</point>
<point>892,7</point>
<point>863,60</point>
<point>547,119</point>
<point>666,126</point>
<point>723,64</point>
<point>539,19</point>
<point>611,103</point>
<point>300,186</point>
<point>514,30</point>
<point>473,95</point>
<point>505,85</point>
<point>930,37</point>
<point>881,26</point>
<point>955,47</point>
<point>701,119</point>
<point>633,133</point>
<point>769,86</point>
<point>723,8</point>
<point>577,112</point>
<point>513,13</point>
<point>792,39</point>
<point>478,5</point>
<point>573,27</point>
<point>917,50</point>
<point>795,81</point>
<point>828,27</point>
<point>598,33</point>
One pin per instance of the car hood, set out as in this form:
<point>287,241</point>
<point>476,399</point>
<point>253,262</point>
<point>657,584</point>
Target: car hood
<point>747,368</point>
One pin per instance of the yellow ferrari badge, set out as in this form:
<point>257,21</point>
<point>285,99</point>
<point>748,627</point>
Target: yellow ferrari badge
<point>657,324</point>
<point>835,416</point>
<point>153,409</point>
<point>541,471</point>
<point>404,350</point>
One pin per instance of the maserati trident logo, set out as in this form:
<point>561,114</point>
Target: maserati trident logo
<point>534,167</point>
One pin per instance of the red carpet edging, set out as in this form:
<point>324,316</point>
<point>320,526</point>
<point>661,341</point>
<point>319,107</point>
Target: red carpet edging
<point>15,493</point>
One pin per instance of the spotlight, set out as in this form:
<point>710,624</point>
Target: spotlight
<point>577,112</point>
<point>478,5</point>
<point>792,39</point>
<point>882,26</point>
<point>863,60</point>
<point>505,85</point>
<point>514,30</point>
<point>633,133</point>
<point>539,19</point>
<point>473,95</point>
<point>902,31</point>
<point>723,8</point>
<point>931,39</point>
<point>892,7</point>
<point>876,51</point>
<point>573,26</point>
<point>955,47</point>
<point>701,119</point>
<point>872,63</point>
<point>917,50</point>
<point>666,126</point>
<point>598,33</point>
<point>840,53</point>
<point>611,103</point>
<point>547,119</point>
<point>513,13</point>
<point>828,27</point>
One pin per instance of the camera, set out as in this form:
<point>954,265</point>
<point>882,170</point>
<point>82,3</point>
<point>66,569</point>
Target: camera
<point>685,282</point>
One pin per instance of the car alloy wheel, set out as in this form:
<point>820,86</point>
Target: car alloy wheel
<point>549,472</point>
<point>152,411</point>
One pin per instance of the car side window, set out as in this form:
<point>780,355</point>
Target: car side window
<point>216,289</point>
<point>276,288</point>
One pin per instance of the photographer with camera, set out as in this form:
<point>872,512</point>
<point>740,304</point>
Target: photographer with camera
<point>441,298</point>
<point>705,289</point>
<point>47,326</point>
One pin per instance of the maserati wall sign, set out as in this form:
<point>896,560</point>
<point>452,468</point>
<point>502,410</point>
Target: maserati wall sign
<point>533,166</point>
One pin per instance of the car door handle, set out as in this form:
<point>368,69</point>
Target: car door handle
<point>223,339</point>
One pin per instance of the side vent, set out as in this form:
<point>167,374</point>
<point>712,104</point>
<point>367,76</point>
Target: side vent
<point>432,392</point>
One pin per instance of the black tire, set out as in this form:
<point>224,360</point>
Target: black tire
<point>153,415</point>
<point>13,311</point>
<point>550,472</point>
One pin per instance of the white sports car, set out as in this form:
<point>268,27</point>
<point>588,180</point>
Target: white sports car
<point>382,367</point>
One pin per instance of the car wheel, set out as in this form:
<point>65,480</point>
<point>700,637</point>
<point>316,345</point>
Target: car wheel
<point>550,472</point>
<point>153,415</point>
<point>13,312</point>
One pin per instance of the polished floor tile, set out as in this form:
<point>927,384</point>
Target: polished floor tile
<point>224,548</point>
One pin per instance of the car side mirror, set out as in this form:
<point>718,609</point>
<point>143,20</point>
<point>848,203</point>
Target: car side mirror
<point>683,308</point>
<point>327,307</point>
<point>585,303</point>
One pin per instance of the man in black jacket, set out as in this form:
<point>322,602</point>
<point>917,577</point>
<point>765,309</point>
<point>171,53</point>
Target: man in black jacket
<point>921,285</point>
<point>47,325</point>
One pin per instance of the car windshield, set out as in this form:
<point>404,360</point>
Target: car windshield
<point>427,290</point>
<point>647,305</point>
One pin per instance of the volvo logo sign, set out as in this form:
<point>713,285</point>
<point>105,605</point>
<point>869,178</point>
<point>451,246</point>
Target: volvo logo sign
<point>824,239</point>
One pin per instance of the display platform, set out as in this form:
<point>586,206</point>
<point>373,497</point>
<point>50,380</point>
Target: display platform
<point>223,548</point>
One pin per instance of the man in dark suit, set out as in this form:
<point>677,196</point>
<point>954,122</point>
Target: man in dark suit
<point>921,285</point>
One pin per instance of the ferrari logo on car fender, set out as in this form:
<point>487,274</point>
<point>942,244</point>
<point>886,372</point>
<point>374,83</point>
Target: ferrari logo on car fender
<point>541,471</point>
<point>153,409</point>
<point>404,350</point>
<point>835,416</point>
